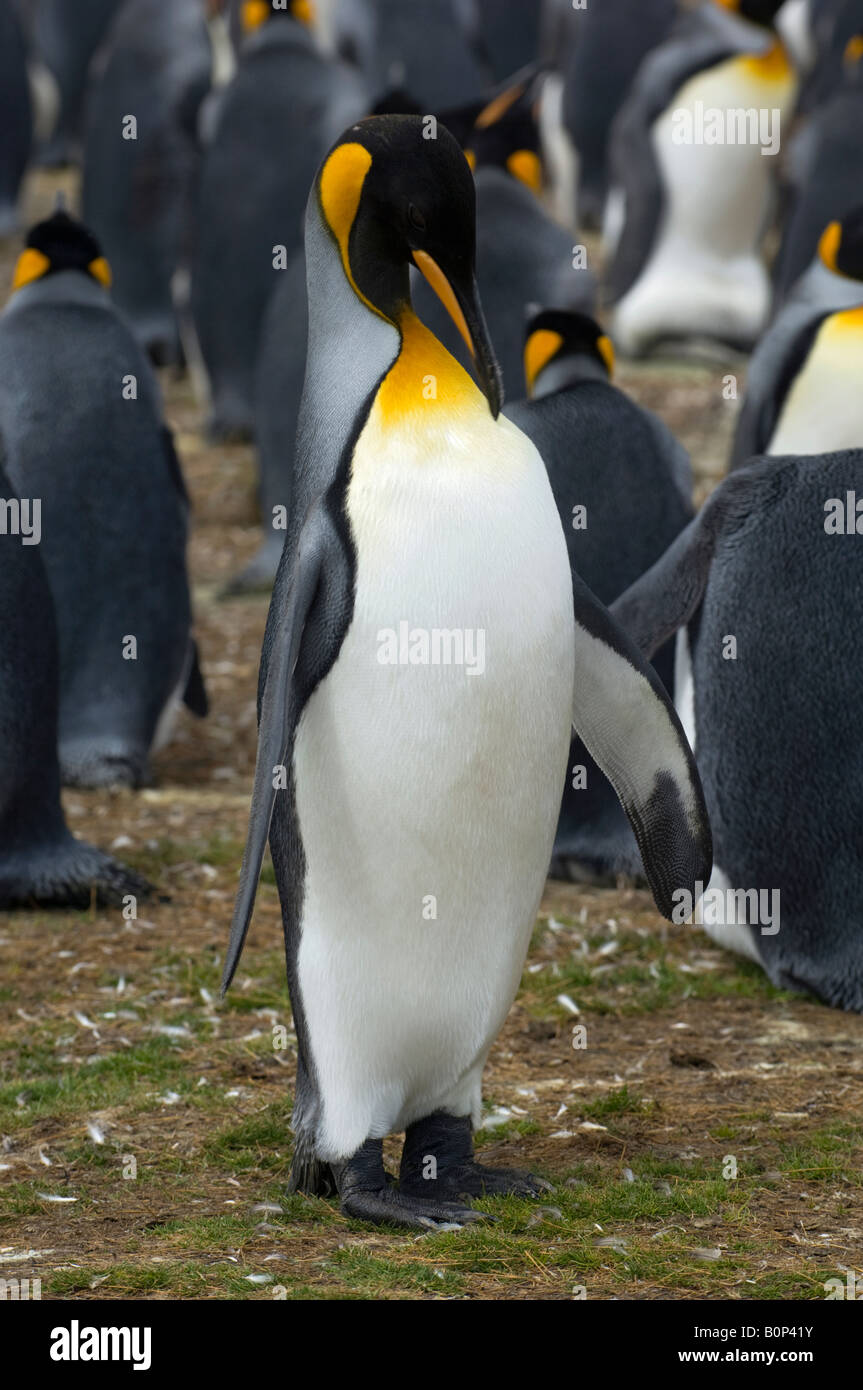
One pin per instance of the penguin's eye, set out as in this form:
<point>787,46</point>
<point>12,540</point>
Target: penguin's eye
<point>416,218</point>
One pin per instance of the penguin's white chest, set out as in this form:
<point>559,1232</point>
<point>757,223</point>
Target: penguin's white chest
<point>429,767</point>
<point>705,275</point>
<point>823,410</point>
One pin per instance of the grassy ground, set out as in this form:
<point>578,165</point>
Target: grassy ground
<point>707,1142</point>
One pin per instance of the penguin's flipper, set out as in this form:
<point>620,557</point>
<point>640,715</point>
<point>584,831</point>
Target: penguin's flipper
<point>629,726</point>
<point>669,594</point>
<point>195,694</point>
<point>273,730</point>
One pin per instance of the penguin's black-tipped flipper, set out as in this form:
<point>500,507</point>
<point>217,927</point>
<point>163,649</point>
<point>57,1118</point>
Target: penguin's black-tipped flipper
<point>629,726</point>
<point>195,694</point>
<point>273,730</point>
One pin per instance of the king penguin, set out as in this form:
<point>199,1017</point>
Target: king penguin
<point>282,110</point>
<point>770,564</point>
<point>523,257</point>
<point>623,488</point>
<point>422,664</point>
<point>137,191</point>
<point>40,861</point>
<point>803,382</point>
<point>66,38</point>
<point>827,172</point>
<point>691,186</point>
<point>16,115</point>
<point>81,418</point>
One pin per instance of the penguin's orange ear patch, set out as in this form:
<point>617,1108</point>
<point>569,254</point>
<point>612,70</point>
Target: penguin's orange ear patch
<point>253,14</point>
<point>605,348</point>
<point>31,265</point>
<point>828,246</point>
<point>539,349</point>
<point>101,271</point>
<point>525,166</point>
<point>304,11</point>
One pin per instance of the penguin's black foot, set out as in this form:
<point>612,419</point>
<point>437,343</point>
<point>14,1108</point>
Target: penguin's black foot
<point>368,1193</point>
<point>438,1161</point>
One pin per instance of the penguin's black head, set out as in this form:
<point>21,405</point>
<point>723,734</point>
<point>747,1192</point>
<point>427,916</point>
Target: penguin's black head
<point>506,135</point>
<point>397,191</point>
<point>761,12</point>
<point>841,245</point>
<point>554,334</point>
<point>60,243</point>
<point>254,13</point>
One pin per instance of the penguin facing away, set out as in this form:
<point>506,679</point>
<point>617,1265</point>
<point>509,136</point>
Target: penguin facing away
<point>137,192</point>
<point>828,172</point>
<point>691,188</point>
<point>280,113</point>
<point>67,37</point>
<point>16,115</point>
<point>623,488</point>
<point>803,384</point>
<point>40,860</point>
<point>776,725</point>
<point>410,804</point>
<point>81,418</point>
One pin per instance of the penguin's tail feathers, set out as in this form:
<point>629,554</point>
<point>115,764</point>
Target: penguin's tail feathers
<point>309,1174</point>
<point>70,873</point>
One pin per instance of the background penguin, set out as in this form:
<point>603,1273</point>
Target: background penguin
<point>828,174</point>
<point>66,38</point>
<point>423,48</point>
<point>136,193</point>
<point>407,501</point>
<point>284,107</point>
<point>16,117</point>
<point>522,256</point>
<point>832,24</point>
<point>685,220</point>
<point>776,731</point>
<point>114,509</point>
<point>509,34</point>
<point>40,861</point>
<point>803,382</point>
<point>604,47</point>
<point>621,464</point>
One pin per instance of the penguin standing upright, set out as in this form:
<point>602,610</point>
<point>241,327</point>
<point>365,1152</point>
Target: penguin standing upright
<point>803,382</point>
<point>16,116</point>
<point>421,667</point>
<point>604,46</point>
<point>768,688</point>
<point>828,173</point>
<point>623,488</point>
<point>66,38</point>
<point>81,419</point>
<point>40,861</point>
<point>282,110</point>
<point>522,256</point>
<point>422,48</point>
<point>693,172</point>
<point>137,180</point>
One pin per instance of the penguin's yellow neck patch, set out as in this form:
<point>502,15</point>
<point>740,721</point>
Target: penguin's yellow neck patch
<point>31,265</point>
<point>425,382</point>
<point>849,321</point>
<point>539,349</point>
<point>525,166</point>
<point>772,66</point>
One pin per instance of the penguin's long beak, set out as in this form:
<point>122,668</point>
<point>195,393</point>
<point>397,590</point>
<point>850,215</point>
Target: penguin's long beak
<point>462,304</point>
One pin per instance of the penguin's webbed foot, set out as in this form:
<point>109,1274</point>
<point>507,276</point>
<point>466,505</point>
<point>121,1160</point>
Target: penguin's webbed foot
<point>438,1159</point>
<point>368,1193</point>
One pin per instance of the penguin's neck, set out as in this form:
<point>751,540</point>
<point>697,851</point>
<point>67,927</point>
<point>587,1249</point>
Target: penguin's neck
<point>425,386</point>
<point>568,370</point>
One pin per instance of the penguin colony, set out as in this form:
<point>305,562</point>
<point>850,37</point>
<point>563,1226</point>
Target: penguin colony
<point>498,637</point>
